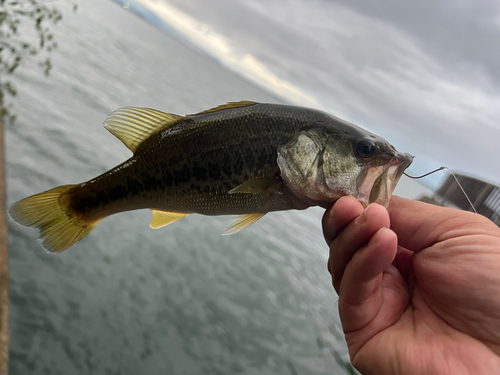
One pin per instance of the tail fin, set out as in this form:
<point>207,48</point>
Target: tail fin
<point>50,212</point>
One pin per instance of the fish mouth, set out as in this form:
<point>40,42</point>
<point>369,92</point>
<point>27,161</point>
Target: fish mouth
<point>378,183</point>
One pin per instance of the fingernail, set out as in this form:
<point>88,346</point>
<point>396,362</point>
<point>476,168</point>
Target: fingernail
<point>361,219</point>
<point>376,237</point>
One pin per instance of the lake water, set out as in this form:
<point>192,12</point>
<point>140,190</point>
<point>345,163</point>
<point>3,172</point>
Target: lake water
<point>129,300</point>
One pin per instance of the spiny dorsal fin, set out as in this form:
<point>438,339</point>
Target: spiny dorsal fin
<point>162,218</point>
<point>239,223</point>
<point>257,185</point>
<point>243,103</point>
<point>132,125</point>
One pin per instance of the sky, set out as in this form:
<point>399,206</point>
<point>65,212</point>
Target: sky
<point>424,75</point>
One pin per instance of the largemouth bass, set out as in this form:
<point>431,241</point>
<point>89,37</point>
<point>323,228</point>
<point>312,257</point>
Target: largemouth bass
<point>241,158</point>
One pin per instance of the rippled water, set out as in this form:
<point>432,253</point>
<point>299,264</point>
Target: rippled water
<point>129,300</point>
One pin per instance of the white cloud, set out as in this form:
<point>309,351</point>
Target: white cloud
<point>207,39</point>
<point>372,70</point>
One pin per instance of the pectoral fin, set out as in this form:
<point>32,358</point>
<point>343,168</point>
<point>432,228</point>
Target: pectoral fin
<point>162,218</point>
<point>239,223</point>
<point>257,185</point>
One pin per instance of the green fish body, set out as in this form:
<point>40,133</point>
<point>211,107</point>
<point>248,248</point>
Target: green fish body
<point>241,158</point>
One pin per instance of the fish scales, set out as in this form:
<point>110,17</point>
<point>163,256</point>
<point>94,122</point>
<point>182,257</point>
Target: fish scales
<point>192,166</point>
<point>241,158</point>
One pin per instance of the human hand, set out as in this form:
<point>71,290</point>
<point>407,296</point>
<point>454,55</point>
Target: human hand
<point>422,297</point>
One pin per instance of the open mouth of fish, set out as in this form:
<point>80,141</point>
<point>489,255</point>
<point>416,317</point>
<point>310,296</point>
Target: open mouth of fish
<point>377,185</point>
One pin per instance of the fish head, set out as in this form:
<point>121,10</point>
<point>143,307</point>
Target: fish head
<point>320,165</point>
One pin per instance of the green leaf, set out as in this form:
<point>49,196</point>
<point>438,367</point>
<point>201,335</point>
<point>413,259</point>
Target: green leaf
<point>16,42</point>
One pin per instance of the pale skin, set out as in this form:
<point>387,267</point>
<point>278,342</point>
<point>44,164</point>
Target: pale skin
<point>418,286</point>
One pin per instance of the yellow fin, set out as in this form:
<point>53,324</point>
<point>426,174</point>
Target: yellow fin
<point>243,103</point>
<point>50,212</point>
<point>162,218</point>
<point>257,185</point>
<point>132,125</point>
<point>239,223</point>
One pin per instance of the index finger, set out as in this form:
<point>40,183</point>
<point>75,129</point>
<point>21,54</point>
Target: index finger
<point>338,216</point>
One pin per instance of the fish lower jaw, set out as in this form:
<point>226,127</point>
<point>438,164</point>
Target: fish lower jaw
<point>380,182</point>
<point>365,187</point>
<point>364,200</point>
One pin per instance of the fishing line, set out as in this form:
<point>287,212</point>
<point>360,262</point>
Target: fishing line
<point>453,174</point>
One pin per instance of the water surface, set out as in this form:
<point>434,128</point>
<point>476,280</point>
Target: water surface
<point>129,300</point>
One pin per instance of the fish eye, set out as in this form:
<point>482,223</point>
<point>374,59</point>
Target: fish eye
<point>365,149</point>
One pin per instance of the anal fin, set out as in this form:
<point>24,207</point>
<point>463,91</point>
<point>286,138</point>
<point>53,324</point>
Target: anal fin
<point>162,218</point>
<point>239,223</point>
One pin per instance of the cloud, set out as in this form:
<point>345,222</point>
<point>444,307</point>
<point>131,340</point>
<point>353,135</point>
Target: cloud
<point>461,34</point>
<point>426,75</point>
<point>204,37</point>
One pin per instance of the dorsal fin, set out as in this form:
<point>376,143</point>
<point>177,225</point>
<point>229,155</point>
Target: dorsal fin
<point>243,103</point>
<point>132,125</point>
<point>162,218</point>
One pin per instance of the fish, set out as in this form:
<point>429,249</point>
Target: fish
<point>241,158</point>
